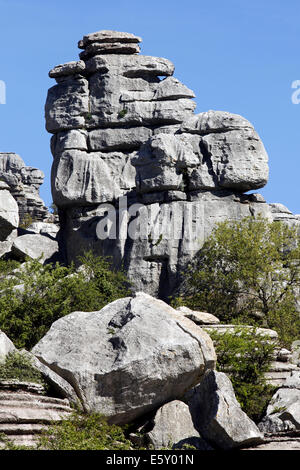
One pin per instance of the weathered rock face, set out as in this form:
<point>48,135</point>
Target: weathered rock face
<point>172,426</point>
<point>217,415</point>
<point>23,183</point>
<point>125,136</point>
<point>9,213</point>
<point>129,358</point>
<point>25,413</point>
<point>283,412</point>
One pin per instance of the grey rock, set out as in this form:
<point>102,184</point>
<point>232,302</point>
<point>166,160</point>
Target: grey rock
<point>57,383</point>
<point>24,183</point>
<point>296,352</point>
<point>271,335</point>
<point>122,132</point>
<point>99,48</point>
<point>43,228</point>
<point>200,318</point>
<point>67,105</point>
<point>215,121</point>
<point>171,88</point>
<point>35,246</point>
<point>217,415</point>
<point>106,177</point>
<point>9,214</point>
<point>129,358</point>
<point>6,245</point>
<point>282,214</point>
<point>70,140</point>
<point>6,346</point>
<point>131,66</point>
<point>172,426</point>
<point>118,139</point>
<point>283,412</point>
<point>70,68</point>
<point>239,160</point>
<point>109,36</point>
<point>279,372</point>
<point>25,414</point>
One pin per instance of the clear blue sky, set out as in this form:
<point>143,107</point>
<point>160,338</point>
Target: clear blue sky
<point>238,56</point>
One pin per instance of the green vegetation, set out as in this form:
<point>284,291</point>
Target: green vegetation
<point>246,356</point>
<point>248,272</point>
<point>84,432</point>
<point>18,366</point>
<point>36,295</point>
<point>26,221</point>
<point>122,113</point>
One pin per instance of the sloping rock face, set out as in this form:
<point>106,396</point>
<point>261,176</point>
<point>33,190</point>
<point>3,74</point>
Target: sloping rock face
<point>218,416</point>
<point>23,183</point>
<point>128,359</point>
<point>137,175</point>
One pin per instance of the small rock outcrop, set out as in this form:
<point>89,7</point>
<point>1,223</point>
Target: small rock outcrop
<point>23,183</point>
<point>129,358</point>
<point>126,142</point>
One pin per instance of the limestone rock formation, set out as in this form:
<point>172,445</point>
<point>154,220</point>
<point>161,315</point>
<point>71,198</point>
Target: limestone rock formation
<point>130,152</point>
<point>25,412</point>
<point>217,415</point>
<point>283,412</point>
<point>172,426</point>
<point>129,358</point>
<point>23,183</point>
<point>9,213</point>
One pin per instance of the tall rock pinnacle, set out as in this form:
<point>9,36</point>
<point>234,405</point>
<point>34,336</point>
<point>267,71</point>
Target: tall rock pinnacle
<point>124,131</point>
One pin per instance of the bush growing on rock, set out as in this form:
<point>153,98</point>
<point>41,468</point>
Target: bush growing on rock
<point>248,271</point>
<point>36,295</point>
<point>246,356</point>
<point>17,366</point>
<point>84,432</point>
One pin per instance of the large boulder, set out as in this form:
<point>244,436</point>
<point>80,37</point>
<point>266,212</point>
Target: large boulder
<point>218,416</point>
<point>131,357</point>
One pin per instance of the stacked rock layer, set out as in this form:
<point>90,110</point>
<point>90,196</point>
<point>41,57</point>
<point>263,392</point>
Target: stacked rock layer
<point>128,147</point>
<point>23,183</point>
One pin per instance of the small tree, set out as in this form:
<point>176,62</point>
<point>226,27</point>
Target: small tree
<point>249,271</point>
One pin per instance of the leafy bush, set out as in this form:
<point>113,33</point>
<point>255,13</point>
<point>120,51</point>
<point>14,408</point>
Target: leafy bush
<point>37,295</point>
<point>249,272</point>
<point>246,356</point>
<point>84,432</point>
<point>19,367</point>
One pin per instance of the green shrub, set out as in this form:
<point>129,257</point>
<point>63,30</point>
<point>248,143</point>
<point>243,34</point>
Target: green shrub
<point>248,272</point>
<point>84,432</point>
<point>18,366</point>
<point>122,113</point>
<point>26,221</point>
<point>246,355</point>
<point>49,292</point>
